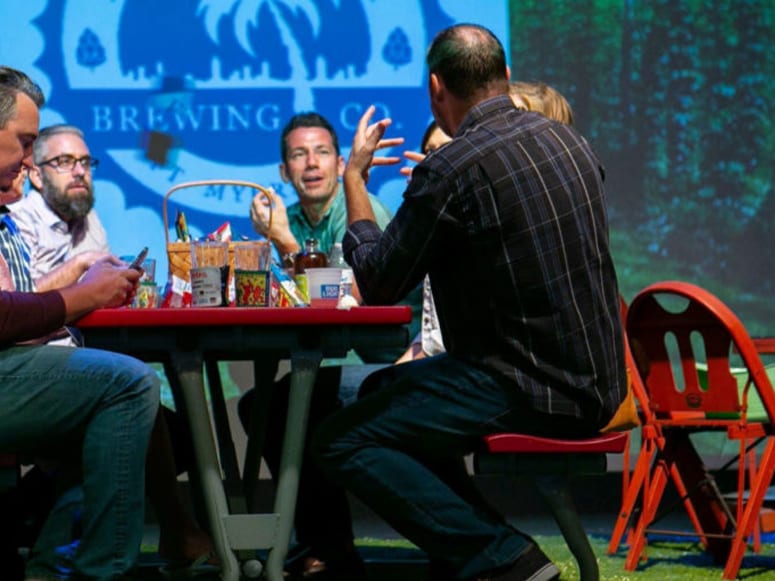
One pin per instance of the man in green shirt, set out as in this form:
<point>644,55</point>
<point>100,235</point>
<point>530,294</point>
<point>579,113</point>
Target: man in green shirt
<point>313,165</point>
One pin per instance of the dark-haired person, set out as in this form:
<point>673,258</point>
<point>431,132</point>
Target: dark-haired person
<point>509,221</point>
<point>312,163</point>
<point>94,408</point>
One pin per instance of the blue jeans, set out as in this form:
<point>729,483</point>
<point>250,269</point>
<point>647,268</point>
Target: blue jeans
<point>400,449</point>
<point>94,411</point>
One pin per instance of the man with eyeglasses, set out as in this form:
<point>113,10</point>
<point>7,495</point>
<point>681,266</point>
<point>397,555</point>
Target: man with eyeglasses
<point>57,218</point>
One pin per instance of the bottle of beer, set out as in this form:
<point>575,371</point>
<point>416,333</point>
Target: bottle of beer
<point>310,257</point>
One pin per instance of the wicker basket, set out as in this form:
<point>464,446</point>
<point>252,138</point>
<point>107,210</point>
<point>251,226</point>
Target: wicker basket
<point>179,253</point>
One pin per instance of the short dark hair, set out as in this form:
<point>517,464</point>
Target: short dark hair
<point>469,59</point>
<point>13,82</point>
<point>308,119</point>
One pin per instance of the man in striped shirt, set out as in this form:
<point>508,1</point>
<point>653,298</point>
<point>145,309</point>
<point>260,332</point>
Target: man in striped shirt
<point>94,406</point>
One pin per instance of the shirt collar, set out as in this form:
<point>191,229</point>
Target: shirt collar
<point>484,109</point>
<point>296,211</point>
<point>50,218</point>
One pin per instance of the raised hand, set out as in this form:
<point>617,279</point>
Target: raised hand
<point>368,139</point>
<point>412,156</point>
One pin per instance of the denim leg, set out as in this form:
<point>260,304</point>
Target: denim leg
<point>55,400</point>
<point>397,448</point>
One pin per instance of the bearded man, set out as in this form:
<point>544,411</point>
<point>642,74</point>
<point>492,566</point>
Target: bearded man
<point>57,218</point>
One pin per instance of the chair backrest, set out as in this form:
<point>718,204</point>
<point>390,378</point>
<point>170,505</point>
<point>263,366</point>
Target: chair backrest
<point>674,326</point>
<point>633,376</point>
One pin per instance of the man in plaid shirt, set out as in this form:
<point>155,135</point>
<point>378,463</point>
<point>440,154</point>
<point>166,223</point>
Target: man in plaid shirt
<point>509,221</point>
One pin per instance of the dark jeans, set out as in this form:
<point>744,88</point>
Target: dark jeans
<point>322,519</point>
<point>399,449</point>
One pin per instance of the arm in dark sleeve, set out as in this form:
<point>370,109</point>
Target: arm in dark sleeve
<point>25,316</point>
<point>387,265</point>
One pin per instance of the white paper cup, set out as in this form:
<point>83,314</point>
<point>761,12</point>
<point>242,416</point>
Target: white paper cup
<point>323,285</point>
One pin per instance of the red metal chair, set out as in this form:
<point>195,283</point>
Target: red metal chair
<point>636,481</point>
<point>673,326</point>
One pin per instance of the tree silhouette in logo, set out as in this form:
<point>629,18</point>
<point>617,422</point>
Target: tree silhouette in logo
<point>397,51</point>
<point>90,52</point>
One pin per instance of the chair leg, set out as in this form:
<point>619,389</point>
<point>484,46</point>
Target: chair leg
<point>683,492</point>
<point>764,476</point>
<point>651,498</point>
<point>630,497</point>
<point>555,492</point>
<point>756,532</point>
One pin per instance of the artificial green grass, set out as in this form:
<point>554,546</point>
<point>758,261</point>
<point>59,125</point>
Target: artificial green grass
<point>667,560</point>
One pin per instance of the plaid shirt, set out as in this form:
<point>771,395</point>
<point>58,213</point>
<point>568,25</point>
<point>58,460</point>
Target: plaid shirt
<point>509,220</point>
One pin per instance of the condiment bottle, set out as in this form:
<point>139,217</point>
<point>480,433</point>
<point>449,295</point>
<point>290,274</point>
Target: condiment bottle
<point>346,299</point>
<point>310,257</point>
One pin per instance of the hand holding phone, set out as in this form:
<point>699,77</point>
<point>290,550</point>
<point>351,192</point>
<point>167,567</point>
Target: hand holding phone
<point>137,263</point>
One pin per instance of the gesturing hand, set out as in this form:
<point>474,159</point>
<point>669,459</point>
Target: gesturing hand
<point>411,156</point>
<point>367,140</point>
<point>259,214</point>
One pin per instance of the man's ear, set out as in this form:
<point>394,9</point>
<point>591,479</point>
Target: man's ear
<point>35,179</point>
<point>284,173</point>
<point>340,166</point>
<point>436,86</point>
<point>508,73</point>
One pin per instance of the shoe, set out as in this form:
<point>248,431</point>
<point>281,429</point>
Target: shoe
<point>346,567</point>
<point>313,566</point>
<point>532,565</point>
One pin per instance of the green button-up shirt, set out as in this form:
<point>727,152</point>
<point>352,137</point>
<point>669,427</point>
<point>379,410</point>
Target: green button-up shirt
<point>332,227</point>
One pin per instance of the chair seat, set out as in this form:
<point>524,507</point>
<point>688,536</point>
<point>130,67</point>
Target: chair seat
<point>510,443</point>
<point>550,462</point>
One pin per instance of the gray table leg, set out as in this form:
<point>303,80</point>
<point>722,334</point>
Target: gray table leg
<point>188,366</point>
<point>304,368</point>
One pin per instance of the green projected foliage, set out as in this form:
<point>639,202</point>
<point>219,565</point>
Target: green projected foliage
<point>676,98</point>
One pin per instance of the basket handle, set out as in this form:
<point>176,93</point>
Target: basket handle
<point>164,212</point>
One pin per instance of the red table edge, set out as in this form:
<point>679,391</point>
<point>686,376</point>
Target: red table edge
<point>229,316</point>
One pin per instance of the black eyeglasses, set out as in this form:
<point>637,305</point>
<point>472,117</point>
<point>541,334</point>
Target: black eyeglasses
<point>65,163</point>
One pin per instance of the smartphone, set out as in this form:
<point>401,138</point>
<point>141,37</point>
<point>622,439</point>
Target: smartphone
<point>137,263</point>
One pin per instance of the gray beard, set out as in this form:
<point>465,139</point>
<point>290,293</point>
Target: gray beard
<point>66,208</point>
<point>70,210</point>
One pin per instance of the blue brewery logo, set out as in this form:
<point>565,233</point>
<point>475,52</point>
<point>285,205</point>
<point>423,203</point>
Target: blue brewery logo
<point>180,90</point>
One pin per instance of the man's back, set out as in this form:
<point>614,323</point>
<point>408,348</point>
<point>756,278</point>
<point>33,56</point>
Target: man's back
<point>509,220</point>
